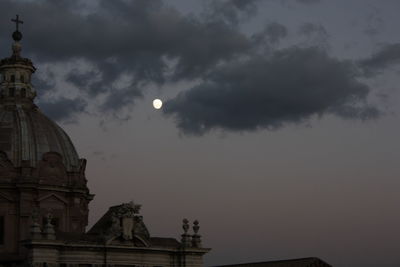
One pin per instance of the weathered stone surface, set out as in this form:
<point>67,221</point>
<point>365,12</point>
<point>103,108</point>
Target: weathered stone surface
<point>26,135</point>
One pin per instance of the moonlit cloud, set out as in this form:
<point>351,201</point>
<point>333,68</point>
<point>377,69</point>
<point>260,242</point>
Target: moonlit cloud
<point>140,39</point>
<point>268,92</point>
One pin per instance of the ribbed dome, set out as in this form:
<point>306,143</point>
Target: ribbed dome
<point>26,134</point>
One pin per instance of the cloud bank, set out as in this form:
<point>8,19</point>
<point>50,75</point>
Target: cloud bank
<point>287,86</point>
<point>246,81</point>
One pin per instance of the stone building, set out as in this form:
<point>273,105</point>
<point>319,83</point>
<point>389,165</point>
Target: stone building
<point>44,195</point>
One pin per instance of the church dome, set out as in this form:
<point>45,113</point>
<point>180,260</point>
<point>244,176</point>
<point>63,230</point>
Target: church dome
<point>42,179</point>
<point>26,134</point>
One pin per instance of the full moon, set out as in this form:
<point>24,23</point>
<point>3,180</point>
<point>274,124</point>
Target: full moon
<point>157,103</point>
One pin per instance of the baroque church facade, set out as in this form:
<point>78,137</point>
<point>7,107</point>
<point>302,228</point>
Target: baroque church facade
<point>44,196</point>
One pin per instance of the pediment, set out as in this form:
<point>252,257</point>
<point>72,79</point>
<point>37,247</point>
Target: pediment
<point>52,197</point>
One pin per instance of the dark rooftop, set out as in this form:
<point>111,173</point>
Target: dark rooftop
<point>304,262</point>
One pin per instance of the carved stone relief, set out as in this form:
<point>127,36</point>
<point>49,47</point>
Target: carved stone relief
<point>126,223</point>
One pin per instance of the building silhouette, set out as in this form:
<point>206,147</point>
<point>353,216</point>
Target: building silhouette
<point>44,195</point>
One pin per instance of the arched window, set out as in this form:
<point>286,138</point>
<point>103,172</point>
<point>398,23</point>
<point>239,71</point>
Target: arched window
<point>13,78</point>
<point>23,92</point>
<point>22,78</point>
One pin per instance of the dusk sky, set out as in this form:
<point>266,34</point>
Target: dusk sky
<point>280,125</point>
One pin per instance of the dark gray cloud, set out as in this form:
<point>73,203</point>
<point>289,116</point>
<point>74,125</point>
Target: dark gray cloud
<point>152,42</point>
<point>288,86</point>
<point>62,109</point>
<point>315,34</point>
<point>303,2</point>
<point>308,1</point>
<point>139,38</point>
<point>44,86</point>
<point>230,11</point>
<point>375,23</point>
<point>309,29</point>
<point>81,79</point>
<point>234,12</point>
<point>385,57</point>
<point>272,34</point>
<point>120,99</point>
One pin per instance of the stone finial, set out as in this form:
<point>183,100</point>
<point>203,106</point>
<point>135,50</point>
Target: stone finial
<point>196,226</point>
<point>185,226</point>
<point>48,229</point>
<point>36,232</point>
<point>196,238</point>
<point>185,236</point>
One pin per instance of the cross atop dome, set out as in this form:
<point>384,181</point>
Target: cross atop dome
<point>17,21</point>
<point>17,35</point>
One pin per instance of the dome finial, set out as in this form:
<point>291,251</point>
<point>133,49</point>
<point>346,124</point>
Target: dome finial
<point>17,35</point>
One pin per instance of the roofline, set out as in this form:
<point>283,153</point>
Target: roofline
<point>263,262</point>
